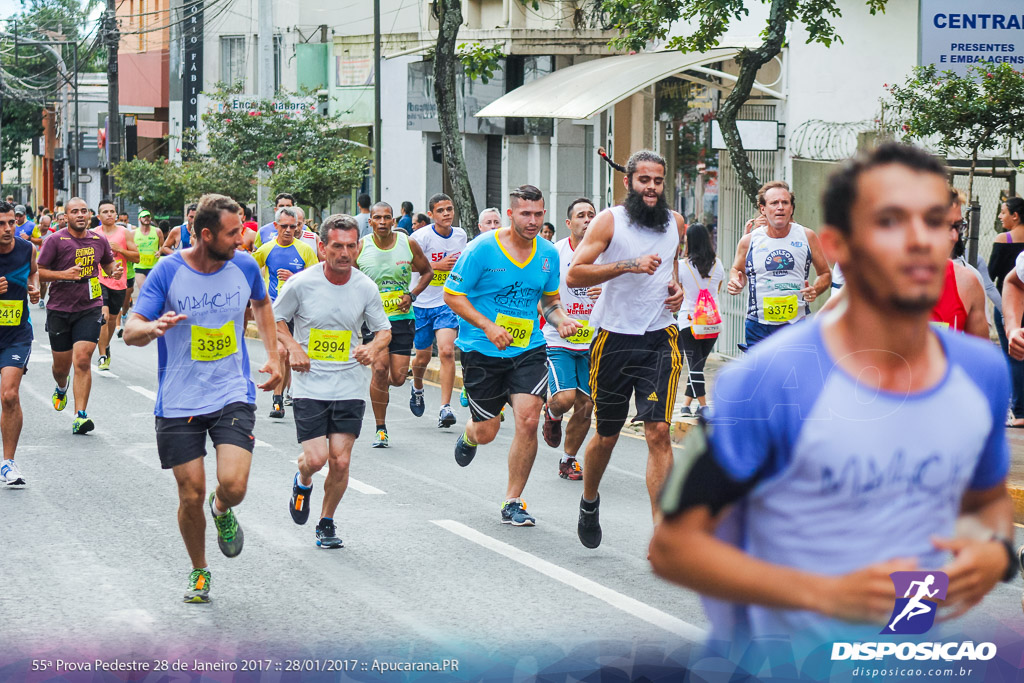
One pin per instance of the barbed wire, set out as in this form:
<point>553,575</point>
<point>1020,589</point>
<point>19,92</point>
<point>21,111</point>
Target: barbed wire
<point>829,140</point>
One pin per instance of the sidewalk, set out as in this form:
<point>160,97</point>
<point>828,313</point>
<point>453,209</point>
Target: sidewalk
<point>1014,480</point>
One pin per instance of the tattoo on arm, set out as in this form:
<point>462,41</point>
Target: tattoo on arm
<point>628,264</point>
<point>549,310</point>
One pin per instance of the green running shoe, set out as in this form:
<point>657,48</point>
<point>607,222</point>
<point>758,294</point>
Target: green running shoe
<point>198,586</point>
<point>60,398</point>
<point>229,533</point>
<point>82,425</point>
<point>104,363</point>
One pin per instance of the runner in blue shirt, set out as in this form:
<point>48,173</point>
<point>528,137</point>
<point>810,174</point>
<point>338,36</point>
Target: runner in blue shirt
<point>268,232</point>
<point>494,289</point>
<point>826,469</point>
<point>19,283</point>
<point>193,304</point>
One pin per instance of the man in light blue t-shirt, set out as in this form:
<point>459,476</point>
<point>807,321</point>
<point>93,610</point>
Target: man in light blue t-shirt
<point>826,470</point>
<point>194,305</point>
<point>494,289</point>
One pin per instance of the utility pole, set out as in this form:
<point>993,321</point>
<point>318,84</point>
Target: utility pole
<point>113,108</point>
<point>377,185</point>
<point>266,80</point>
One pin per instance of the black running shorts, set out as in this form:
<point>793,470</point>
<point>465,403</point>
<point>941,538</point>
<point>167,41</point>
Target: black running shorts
<point>647,365</point>
<point>402,334</point>
<point>490,380</point>
<point>113,299</point>
<point>315,419</point>
<point>67,329</point>
<point>183,439</point>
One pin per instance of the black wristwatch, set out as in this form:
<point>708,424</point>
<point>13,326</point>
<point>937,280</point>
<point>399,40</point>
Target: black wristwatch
<point>1013,564</point>
<point>411,296</point>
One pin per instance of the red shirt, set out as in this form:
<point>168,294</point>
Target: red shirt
<point>950,308</point>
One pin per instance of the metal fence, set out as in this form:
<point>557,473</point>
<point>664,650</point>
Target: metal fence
<point>990,191</point>
<point>733,212</point>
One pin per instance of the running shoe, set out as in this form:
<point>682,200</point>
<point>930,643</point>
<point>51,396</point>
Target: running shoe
<point>552,429</point>
<point>42,303</point>
<point>299,505</point>
<point>60,398</point>
<point>502,415</point>
<point>464,453</point>
<point>464,398</point>
<point>446,418</point>
<point>326,536</point>
<point>514,512</point>
<point>198,586</point>
<point>685,412</point>
<point>82,425</point>
<point>589,526</point>
<point>704,412</point>
<point>278,410</point>
<point>104,363</point>
<point>570,469</point>
<point>381,440</point>
<point>1020,560</point>
<point>229,533</point>
<point>11,475</point>
<point>288,397</point>
<point>416,403</point>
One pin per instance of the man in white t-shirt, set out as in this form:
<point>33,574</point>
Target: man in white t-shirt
<point>569,359</point>
<point>328,305</point>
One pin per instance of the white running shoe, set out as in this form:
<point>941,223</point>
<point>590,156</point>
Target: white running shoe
<point>11,474</point>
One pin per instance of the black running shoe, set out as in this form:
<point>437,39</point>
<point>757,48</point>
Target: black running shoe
<point>299,505</point>
<point>326,535</point>
<point>589,527</point>
<point>464,453</point>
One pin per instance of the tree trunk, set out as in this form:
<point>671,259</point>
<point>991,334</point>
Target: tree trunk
<point>750,62</point>
<point>973,221</point>
<point>445,62</point>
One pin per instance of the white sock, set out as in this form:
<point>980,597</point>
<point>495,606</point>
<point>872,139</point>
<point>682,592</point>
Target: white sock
<point>217,512</point>
<point>566,457</point>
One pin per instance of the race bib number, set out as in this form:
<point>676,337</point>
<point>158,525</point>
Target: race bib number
<point>147,261</point>
<point>780,309</point>
<point>521,329</point>
<point>95,291</point>
<point>939,325</point>
<point>439,278</point>
<point>210,343</point>
<point>392,301</point>
<point>584,335</point>
<point>329,345</point>
<point>10,313</point>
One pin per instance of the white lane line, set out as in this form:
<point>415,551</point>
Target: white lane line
<point>356,484</point>
<point>106,373</point>
<point>144,391</point>
<point>264,444</point>
<point>617,600</point>
<point>45,346</point>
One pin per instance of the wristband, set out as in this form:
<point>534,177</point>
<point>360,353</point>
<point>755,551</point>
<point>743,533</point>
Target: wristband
<point>1013,562</point>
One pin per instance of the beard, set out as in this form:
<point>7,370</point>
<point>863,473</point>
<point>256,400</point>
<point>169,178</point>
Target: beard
<point>654,218</point>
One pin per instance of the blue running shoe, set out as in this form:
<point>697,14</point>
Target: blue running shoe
<point>416,403</point>
<point>514,512</point>
<point>464,453</point>
<point>464,398</point>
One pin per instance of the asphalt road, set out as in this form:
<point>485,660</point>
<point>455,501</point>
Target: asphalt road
<point>94,565</point>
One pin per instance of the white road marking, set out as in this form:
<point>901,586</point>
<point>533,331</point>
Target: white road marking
<point>617,600</point>
<point>45,346</point>
<point>264,444</point>
<point>355,484</point>
<point>144,391</point>
<point>106,373</point>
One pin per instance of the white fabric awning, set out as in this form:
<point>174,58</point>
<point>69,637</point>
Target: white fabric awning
<point>582,90</point>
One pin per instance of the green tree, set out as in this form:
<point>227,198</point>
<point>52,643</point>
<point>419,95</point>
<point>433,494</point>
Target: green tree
<point>316,180</point>
<point>978,112</point>
<point>642,21</point>
<point>165,187</point>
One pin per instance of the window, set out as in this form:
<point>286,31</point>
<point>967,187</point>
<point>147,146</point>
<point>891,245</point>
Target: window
<point>232,60</point>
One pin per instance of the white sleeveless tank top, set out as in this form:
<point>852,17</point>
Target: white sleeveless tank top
<point>634,303</point>
<point>777,269</point>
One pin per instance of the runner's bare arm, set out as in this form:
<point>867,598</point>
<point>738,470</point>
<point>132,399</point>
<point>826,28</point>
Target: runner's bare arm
<point>297,358</point>
<point>824,279</point>
<point>264,315</point>
<point>172,239</point>
<point>139,331</point>
<point>421,265</point>
<point>131,252</point>
<point>978,563</point>
<point>737,274</point>
<point>33,281</point>
<point>584,272</point>
<point>461,307</point>
<point>551,308</point>
<point>1013,309</point>
<point>684,550</point>
<point>367,353</point>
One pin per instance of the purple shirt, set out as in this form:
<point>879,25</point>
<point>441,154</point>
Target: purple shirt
<point>61,251</point>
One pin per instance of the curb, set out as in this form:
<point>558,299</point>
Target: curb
<point>1017,495</point>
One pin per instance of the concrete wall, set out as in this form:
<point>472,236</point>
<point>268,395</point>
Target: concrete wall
<point>809,180</point>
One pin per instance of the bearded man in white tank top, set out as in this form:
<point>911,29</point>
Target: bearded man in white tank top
<point>630,250</point>
<point>773,262</point>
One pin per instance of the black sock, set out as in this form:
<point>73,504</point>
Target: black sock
<point>380,427</point>
<point>589,506</point>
